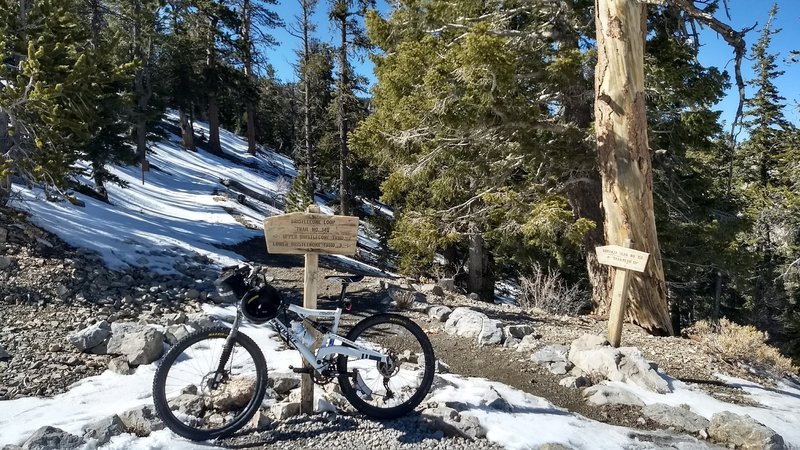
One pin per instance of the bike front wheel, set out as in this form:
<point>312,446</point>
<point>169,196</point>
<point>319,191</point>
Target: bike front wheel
<point>394,388</point>
<point>197,400</point>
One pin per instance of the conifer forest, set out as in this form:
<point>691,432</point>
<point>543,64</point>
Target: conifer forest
<point>509,138</point>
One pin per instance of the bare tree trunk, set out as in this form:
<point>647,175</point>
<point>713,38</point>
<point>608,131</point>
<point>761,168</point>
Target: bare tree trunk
<point>247,17</point>
<point>623,153</point>
<point>187,131</point>
<point>480,280</point>
<point>5,146</point>
<point>213,107</point>
<point>306,24</point>
<point>345,190</point>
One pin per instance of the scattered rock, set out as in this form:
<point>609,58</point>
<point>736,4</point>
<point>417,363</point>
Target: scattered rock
<point>439,312</point>
<point>284,410</point>
<point>92,338</point>
<point>518,331</point>
<point>448,284</point>
<point>743,432</point>
<point>234,394</point>
<point>282,383</point>
<point>4,355</point>
<point>494,400</point>
<point>491,333</point>
<point>554,357</point>
<point>200,321</point>
<point>590,354</point>
<point>5,262</point>
<point>49,438</point>
<point>575,382</point>
<point>528,343</point>
<point>260,421</point>
<point>188,403</point>
<point>104,429</point>
<point>141,420</point>
<point>174,333</point>
<point>473,324</point>
<point>140,344</point>
<point>453,424</point>
<point>610,395</point>
<point>3,235</point>
<point>679,417</point>
<point>120,366</point>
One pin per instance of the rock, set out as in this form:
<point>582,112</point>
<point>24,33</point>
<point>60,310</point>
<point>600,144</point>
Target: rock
<point>49,438</point>
<point>553,446</point>
<point>3,235</point>
<point>743,432</point>
<point>465,322</point>
<point>491,333</point>
<point>141,420</point>
<point>494,400</point>
<point>188,403</point>
<point>91,337</point>
<point>5,262</point>
<point>528,343</point>
<point>234,394</point>
<point>174,333</point>
<point>120,366</point>
<point>192,294</point>
<point>453,424</point>
<point>681,418</point>
<point>4,355</point>
<point>282,383</point>
<point>260,421</point>
<point>140,344</point>
<point>104,429</point>
<point>518,331</point>
<point>589,354</point>
<point>200,321</point>
<point>554,357</point>
<point>575,382</point>
<point>511,342</point>
<point>437,291</point>
<point>284,410</point>
<point>610,395</point>
<point>62,291</point>
<point>448,284</point>
<point>439,312</point>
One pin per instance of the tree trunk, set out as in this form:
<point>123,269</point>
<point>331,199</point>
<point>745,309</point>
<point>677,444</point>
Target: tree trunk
<point>213,107</point>
<point>480,279</point>
<point>345,190</point>
<point>307,102</point>
<point>5,146</point>
<point>247,17</point>
<point>187,131</point>
<point>623,153</point>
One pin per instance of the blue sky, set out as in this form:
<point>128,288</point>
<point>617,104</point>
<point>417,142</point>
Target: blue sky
<point>715,51</point>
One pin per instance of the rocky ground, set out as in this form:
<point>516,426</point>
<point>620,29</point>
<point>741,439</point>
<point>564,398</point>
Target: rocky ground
<point>49,291</point>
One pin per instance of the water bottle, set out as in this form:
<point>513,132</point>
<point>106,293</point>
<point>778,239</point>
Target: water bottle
<point>302,333</point>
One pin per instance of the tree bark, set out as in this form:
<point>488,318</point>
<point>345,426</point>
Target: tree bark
<point>187,131</point>
<point>345,190</point>
<point>480,279</point>
<point>247,17</point>
<point>623,153</point>
<point>5,146</point>
<point>213,107</point>
<point>307,101</point>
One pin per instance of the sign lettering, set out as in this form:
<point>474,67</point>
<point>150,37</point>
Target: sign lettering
<point>311,233</point>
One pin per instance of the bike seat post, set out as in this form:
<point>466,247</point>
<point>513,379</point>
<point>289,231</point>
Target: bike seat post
<point>344,289</point>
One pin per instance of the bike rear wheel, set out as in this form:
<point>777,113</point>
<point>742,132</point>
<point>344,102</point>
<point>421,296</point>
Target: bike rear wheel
<point>388,390</point>
<point>198,401</point>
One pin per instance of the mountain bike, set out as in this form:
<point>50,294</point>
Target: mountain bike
<point>212,382</point>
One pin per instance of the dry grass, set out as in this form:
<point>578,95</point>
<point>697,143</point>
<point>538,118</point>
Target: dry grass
<point>547,291</point>
<point>402,298</point>
<point>743,344</point>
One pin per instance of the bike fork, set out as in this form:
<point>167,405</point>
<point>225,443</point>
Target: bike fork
<point>228,348</point>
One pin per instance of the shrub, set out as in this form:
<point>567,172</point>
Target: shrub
<point>546,290</point>
<point>743,344</point>
<point>403,299</point>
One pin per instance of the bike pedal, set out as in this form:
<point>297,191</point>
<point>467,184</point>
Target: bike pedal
<point>307,370</point>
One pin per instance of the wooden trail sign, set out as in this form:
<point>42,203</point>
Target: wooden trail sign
<point>310,233</point>
<point>624,259</point>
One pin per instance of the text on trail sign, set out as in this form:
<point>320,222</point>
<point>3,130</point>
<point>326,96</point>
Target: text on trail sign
<point>624,258</point>
<point>311,233</point>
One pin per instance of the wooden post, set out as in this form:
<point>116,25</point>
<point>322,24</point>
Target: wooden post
<point>309,301</point>
<point>623,259</point>
<point>310,233</point>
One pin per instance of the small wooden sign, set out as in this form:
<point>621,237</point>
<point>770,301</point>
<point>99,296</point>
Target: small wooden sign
<point>311,233</point>
<point>623,258</point>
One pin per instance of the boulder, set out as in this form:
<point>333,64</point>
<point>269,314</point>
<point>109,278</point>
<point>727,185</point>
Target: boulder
<point>140,344</point>
<point>511,342</point>
<point>439,312</point>
<point>473,324</point>
<point>200,321</point>
<point>104,429</point>
<point>528,343</point>
<point>174,333</point>
<point>91,337</point>
<point>554,357</point>
<point>575,382</point>
<point>491,333</point>
<point>681,418</point>
<point>232,395</point>
<point>4,355</point>
<point>189,404</point>
<point>284,410</point>
<point>141,420</point>
<point>518,331</point>
<point>260,421</point>
<point>120,365</point>
<point>743,432</point>
<point>282,383</point>
<point>610,395</point>
<point>452,424</point>
<point>492,399</point>
<point>49,438</point>
<point>627,364</point>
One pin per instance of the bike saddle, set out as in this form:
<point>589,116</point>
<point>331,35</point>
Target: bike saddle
<point>345,279</point>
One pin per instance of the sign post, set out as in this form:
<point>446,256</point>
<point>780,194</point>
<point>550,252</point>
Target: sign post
<point>310,233</point>
<point>623,259</point>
